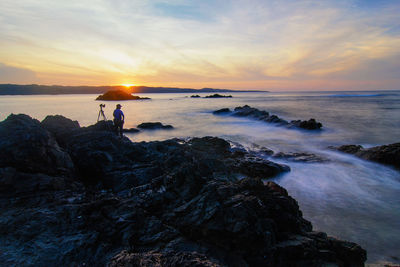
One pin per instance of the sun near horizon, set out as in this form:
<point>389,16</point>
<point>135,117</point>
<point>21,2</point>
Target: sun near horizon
<point>128,85</point>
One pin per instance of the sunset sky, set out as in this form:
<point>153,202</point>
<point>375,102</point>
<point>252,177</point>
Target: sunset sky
<point>240,44</point>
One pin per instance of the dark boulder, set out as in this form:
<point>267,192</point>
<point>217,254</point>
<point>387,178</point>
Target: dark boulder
<point>58,123</point>
<point>386,154</point>
<point>154,126</point>
<point>311,124</point>
<point>256,167</point>
<point>222,111</point>
<point>60,126</point>
<point>100,126</point>
<point>247,111</point>
<point>194,96</point>
<point>28,147</point>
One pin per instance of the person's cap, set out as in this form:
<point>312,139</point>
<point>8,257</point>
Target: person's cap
<point>118,106</point>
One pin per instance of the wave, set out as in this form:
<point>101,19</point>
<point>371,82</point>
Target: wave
<point>361,95</point>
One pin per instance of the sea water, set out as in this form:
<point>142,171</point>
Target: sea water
<point>346,197</point>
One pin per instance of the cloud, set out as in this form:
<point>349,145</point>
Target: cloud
<point>9,74</point>
<point>217,41</point>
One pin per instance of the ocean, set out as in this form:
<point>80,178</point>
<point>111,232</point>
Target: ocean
<point>346,197</point>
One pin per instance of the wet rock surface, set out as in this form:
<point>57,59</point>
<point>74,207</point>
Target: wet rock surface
<point>247,111</point>
<point>301,157</point>
<point>91,198</point>
<point>386,154</point>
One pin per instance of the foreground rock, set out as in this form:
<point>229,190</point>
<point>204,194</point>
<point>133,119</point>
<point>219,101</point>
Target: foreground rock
<point>247,111</point>
<point>114,95</point>
<point>82,196</point>
<point>386,154</point>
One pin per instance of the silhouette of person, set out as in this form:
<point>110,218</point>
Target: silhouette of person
<point>119,118</point>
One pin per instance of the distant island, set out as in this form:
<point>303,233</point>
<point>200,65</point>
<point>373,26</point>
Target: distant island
<point>119,95</point>
<point>212,96</point>
<point>35,89</point>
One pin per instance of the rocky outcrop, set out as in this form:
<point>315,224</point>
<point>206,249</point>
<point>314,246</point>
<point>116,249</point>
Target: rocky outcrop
<point>386,154</point>
<point>114,95</point>
<point>154,126</point>
<point>247,111</point>
<point>92,198</point>
<point>222,111</point>
<point>131,130</point>
<point>311,124</point>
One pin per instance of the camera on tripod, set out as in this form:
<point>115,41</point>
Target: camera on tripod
<point>101,115</point>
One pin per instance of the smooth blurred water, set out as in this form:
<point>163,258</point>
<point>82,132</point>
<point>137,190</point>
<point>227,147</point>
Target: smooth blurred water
<point>346,197</point>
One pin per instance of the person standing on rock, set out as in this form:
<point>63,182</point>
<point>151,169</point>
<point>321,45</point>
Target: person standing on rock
<point>119,118</point>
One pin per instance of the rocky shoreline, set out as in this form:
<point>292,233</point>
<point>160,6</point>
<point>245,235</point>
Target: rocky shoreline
<point>77,196</point>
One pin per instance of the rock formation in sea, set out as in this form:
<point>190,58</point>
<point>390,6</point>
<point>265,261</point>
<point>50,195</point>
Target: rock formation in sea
<point>114,95</point>
<point>212,96</point>
<point>386,154</point>
<point>81,196</point>
<point>247,111</point>
<point>154,126</point>
<point>218,96</point>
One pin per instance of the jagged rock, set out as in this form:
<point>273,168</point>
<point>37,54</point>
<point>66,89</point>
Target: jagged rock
<point>194,96</point>
<point>119,95</point>
<point>154,126</point>
<point>386,154</point>
<point>163,203</point>
<point>60,126</point>
<point>222,110</point>
<point>28,147</point>
<point>169,259</point>
<point>58,123</point>
<point>101,126</point>
<point>261,168</point>
<point>311,124</point>
<point>247,111</point>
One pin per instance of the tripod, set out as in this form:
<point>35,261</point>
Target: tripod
<point>101,115</point>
